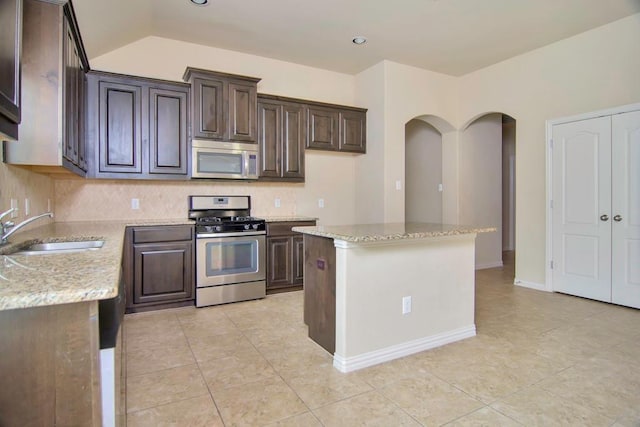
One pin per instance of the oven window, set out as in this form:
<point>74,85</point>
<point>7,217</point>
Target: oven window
<point>231,257</point>
<point>227,163</point>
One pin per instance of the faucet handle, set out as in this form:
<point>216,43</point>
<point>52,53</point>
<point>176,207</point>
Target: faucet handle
<point>3,214</point>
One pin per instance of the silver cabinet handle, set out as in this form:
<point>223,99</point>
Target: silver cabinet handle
<point>617,218</point>
<point>604,217</point>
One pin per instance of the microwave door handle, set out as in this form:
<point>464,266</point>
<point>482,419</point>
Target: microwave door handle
<point>245,158</point>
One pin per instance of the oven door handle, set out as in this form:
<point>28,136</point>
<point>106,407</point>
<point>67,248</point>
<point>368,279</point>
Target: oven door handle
<point>240,234</point>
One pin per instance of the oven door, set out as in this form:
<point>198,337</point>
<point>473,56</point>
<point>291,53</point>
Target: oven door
<point>230,258</point>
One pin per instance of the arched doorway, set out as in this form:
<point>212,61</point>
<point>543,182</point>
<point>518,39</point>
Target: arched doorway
<point>487,185</point>
<point>423,172</point>
<point>427,166</point>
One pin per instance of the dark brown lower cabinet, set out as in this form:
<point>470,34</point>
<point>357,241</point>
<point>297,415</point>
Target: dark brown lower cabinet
<point>285,256</point>
<point>158,266</point>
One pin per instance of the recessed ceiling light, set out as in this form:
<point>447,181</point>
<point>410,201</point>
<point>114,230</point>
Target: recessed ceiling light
<point>356,39</point>
<point>200,2</point>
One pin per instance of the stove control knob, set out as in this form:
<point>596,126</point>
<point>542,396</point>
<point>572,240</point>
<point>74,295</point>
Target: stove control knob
<point>218,228</point>
<point>255,226</point>
<point>246,226</point>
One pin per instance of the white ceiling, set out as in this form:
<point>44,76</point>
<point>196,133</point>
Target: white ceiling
<point>448,36</point>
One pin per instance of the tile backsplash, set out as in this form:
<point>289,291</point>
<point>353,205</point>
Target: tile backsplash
<point>80,200</point>
<point>22,184</point>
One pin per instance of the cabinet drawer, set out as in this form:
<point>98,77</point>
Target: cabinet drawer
<point>284,228</point>
<point>165,233</point>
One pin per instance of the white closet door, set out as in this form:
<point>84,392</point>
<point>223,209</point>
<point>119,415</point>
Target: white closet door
<point>625,211</point>
<point>582,208</point>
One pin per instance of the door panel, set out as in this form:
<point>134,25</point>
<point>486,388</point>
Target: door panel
<point>168,132</point>
<point>269,128</point>
<point>626,204</point>
<point>242,112</point>
<point>293,137</point>
<point>581,196</point>
<point>120,140</point>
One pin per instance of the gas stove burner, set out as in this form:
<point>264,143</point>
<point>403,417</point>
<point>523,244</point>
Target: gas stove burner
<point>209,220</point>
<point>224,214</point>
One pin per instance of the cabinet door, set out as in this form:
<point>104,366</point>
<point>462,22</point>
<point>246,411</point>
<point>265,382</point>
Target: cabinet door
<point>208,109</point>
<point>75,64</point>
<point>168,131</point>
<point>72,103</point>
<point>10,38</point>
<point>119,128</point>
<point>353,131</point>
<point>279,262</point>
<point>297,263</point>
<point>162,272</point>
<point>293,137</point>
<point>242,112</point>
<point>323,128</point>
<point>269,138</point>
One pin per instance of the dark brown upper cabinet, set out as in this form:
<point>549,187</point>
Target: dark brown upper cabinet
<point>353,131</point>
<point>224,106</point>
<point>281,137</point>
<point>137,127</point>
<point>10,42</point>
<point>324,128</point>
<point>336,128</point>
<point>54,64</point>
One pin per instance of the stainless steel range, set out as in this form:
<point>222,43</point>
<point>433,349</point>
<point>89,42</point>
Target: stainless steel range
<point>230,250</point>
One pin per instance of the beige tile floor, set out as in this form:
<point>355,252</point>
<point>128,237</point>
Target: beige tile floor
<point>538,359</point>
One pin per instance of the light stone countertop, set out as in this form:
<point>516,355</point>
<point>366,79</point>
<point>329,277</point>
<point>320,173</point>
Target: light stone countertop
<point>361,233</point>
<point>293,218</point>
<point>50,279</point>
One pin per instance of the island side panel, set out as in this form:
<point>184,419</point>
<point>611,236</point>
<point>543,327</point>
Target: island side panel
<point>372,279</point>
<point>320,290</point>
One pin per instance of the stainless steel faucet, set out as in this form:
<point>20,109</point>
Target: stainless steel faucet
<point>8,228</point>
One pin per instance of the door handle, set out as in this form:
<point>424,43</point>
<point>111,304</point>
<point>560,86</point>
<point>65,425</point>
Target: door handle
<point>604,217</point>
<point>617,218</point>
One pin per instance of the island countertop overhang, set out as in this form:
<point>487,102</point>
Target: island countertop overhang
<point>364,233</point>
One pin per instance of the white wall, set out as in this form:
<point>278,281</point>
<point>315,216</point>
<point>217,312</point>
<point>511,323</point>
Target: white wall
<point>423,172</point>
<point>480,188</point>
<point>394,93</point>
<point>330,176</point>
<point>587,72</point>
<point>591,71</point>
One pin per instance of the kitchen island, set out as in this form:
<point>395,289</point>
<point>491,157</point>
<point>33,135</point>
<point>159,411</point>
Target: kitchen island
<point>377,292</point>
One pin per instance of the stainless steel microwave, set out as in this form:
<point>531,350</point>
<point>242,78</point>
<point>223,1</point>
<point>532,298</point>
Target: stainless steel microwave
<point>219,159</point>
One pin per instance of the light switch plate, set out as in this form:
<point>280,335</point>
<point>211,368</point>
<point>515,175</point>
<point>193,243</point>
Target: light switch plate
<point>135,203</point>
<point>277,202</point>
<point>14,205</point>
<point>321,203</point>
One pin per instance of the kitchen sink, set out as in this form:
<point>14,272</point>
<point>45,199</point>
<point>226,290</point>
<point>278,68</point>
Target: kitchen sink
<point>61,247</point>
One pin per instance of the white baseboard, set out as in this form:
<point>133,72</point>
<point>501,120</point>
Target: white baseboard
<point>489,265</point>
<point>531,285</point>
<point>349,364</point>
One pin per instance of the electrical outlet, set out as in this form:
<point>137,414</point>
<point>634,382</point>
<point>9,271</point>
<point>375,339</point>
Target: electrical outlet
<point>14,205</point>
<point>440,188</point>
<point>321,203</point>
<point>27,207</point>
<point>135,204</point>
<point>48,205</point>
<point>406,305</point>
<point>398,185</point>
<point>277,202</point>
